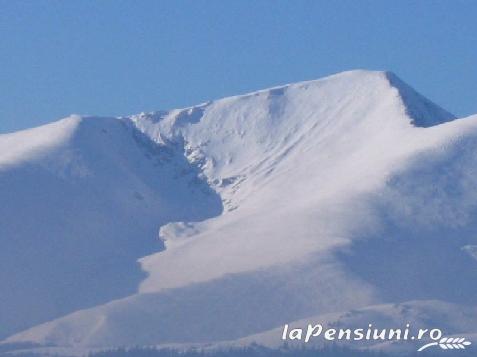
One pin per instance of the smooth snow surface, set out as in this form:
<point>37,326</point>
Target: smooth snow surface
<point>305,200</point>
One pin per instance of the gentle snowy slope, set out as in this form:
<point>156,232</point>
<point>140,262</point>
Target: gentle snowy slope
<point>303,200</point>
<point>81,201</point>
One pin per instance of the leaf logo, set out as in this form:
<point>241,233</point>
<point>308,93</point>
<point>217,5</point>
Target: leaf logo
<point>448,343</point>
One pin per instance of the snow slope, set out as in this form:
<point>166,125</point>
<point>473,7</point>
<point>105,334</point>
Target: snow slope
<point>81,200</point>
<point>303,200</point>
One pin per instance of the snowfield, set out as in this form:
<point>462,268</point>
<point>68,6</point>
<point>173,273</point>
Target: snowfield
<point>342,200</point>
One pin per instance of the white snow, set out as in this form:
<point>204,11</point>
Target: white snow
<point>81,202</point>
<point>303,200</point>
<point>21,146</point>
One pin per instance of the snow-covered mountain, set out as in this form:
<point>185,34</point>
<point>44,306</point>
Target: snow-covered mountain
<point>303,201</point>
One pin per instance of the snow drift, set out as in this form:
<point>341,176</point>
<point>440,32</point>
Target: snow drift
<point>311,199</point>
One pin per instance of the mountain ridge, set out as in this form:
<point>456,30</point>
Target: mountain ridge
<point>260,200</point>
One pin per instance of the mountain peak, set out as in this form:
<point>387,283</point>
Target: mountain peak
<point>255,197</point>
<point>421,111</point>
<point>361,84</point>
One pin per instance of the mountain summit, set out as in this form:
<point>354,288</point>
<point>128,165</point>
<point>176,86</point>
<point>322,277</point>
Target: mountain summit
<point>225,220</point>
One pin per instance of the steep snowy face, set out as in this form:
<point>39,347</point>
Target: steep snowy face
<point>299,154</point>
<point>308,199</point>
<point>250,134</point>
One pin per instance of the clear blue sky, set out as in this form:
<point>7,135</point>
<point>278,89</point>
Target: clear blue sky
<point>112,57</point>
